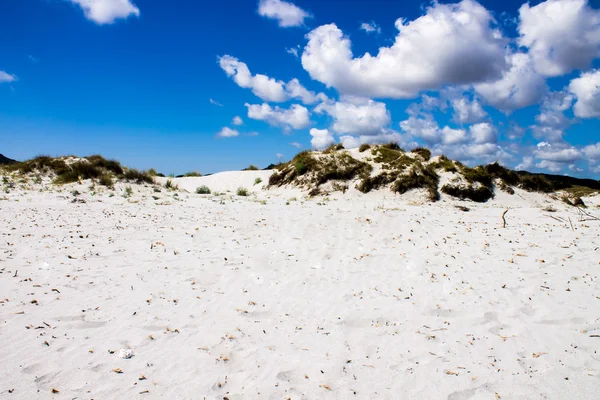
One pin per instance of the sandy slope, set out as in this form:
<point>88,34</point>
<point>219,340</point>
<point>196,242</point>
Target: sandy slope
<point>358,297</point>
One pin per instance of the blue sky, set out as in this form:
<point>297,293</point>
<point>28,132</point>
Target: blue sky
<point>158,84</point>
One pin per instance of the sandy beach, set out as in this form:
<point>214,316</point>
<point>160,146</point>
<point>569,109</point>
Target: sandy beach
<point>277,295</point>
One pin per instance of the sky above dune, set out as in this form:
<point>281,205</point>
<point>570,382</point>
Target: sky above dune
<point>218,85</point>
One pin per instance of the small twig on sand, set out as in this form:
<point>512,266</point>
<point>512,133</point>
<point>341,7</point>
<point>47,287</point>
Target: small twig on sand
<point>571,223</point>
<point>503,218</point>
<point>16,273</point>
<point>585,215</point>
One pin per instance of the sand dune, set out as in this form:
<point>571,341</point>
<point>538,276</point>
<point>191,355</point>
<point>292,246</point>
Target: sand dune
<point>267,297</point>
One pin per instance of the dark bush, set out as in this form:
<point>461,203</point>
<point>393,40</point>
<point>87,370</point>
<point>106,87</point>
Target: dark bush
<point>423,152</point>
<point>109,165</point>
<point>252,167</point>
<point>375,182</point>
<point>419,178</point>
<point>106,180</point>
<point>363,147</point>
<point>536,183</point>
<point>137,176</point>
<point>479,195</point>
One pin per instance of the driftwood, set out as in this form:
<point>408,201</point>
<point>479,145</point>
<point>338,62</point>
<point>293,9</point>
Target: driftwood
<point>504,217</point>
<point>586,215</point>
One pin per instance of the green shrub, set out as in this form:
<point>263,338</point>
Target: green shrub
<point>446,164</point>
<point>423,152</point>
<point>203,190</point>
<point>363,147</point>
<point>108,165</point>
<point>137,176</point>
<point>535,183</point>
<point>78,170</point>
<point>391,146</point>
<point>106,180</point>
<point>242,191</point>
<point>375,182</point>
<point>192,174</point>
<point>419,178</point>
<point>252,167</point>
<point>257,181</point>
<point>480,194</point>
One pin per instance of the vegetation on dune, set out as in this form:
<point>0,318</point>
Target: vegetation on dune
<point>392,158</point>
<point>420,177</point>
<point>445,163</point>
<point>479,194</point>
<point>241,191</point>
<point>318,171</point>
<point>423,152</point>
<point>364,147</point>
<point>333,147</point>
<point>252,167</point>
<point>203,190</point>
<point>91,167</point>
<point>193,174</point>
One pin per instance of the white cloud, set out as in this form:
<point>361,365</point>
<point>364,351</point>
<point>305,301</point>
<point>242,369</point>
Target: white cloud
<point>556,154</point>
<point>237,120</point>
<point>321,138</point>
<point>294,90</point>
<point>5,77</point>
<point>525,164</point>
<point>520,85</point>
<point>483,133</point>
<point>386,136</point>
<point>551,166</point>
<point>356,116</point>
<point>107,11</point>
<point>467,111</point>
<point>286,14</point>
<point>427,129</point>
<point>561,35</point>
<point>552,121</point>
<point>370,27</point>
<point>592,151</point>
<point>451,136</point>
<point>228,133</point>
<point>268,89</point>
<point>296,145</point>
<point>214,102</point>
<point>296,116</point>
<point>587,90</point>
<point>424,128</point>
<point>293,51</point>
<point>451,44</point>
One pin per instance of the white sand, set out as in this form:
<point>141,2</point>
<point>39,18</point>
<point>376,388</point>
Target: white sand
<point>355,297</point>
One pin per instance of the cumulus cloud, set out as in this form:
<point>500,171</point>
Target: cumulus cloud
<point>227,133</point>
<point>556,157</point>
<point>483,132</point>
<point>519,86</point>
<point>552,121</point>
<point>587,90</point>
<point>268,89</point>
<point>237,120</point>
<point>467,111</point>
<point>370,27</point>
<point>296,117</point>
<point>386,136</point>
<point>321,138</point>
<point>286,13</point>
<point>592,151</point>
<point>451,44</point>
<point>6,77</point>
<point>427,129</point>
<point>107,11</point>
<point>561,35</point>
<point>356,116</point>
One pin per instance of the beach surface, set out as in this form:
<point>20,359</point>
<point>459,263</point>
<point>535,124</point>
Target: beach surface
<point>171,294</point>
